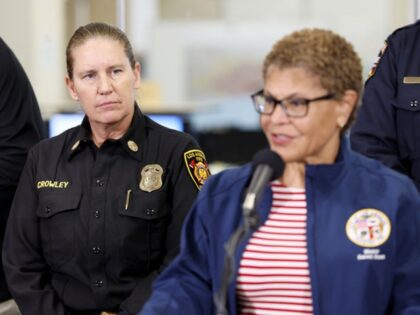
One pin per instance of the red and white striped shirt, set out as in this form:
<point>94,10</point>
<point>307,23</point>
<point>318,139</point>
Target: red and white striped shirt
<point>273,276</point>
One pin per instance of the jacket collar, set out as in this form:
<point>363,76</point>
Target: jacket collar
<point>330,174</point>
<point>325,175</point>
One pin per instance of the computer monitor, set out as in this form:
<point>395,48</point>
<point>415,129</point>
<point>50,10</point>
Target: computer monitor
<point>62,121</point>
<point>173,121</point>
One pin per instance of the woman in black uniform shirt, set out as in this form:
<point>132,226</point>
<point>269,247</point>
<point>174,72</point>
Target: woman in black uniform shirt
<point>99,208</point>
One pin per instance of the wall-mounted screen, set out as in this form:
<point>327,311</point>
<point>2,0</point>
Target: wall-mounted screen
<point>173,121</point>
<point>62,121</point>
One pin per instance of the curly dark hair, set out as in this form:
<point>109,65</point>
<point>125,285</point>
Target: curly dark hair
<point>323,54</point>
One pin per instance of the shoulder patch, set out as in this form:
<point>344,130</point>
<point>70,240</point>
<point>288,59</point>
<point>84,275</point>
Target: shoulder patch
<point>377,60</point>
<point>197,166</point>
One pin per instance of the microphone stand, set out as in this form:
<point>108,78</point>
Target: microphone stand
<point>250,222</point>
<point>263,173</point>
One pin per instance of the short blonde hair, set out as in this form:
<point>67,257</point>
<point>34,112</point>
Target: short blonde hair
<point>323,54</point>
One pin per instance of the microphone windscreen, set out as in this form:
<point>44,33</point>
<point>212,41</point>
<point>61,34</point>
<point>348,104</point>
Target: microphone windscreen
<point>270,158</point>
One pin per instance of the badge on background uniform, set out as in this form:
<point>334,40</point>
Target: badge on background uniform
<point>377,60</point>
<point>411,80</point>
<point>151,177</point>
<point>368,227</point>
<point>197,166</point>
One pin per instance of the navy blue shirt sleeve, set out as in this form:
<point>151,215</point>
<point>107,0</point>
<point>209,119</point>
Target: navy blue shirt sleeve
<point>374,133</point>
<point>386,125</point>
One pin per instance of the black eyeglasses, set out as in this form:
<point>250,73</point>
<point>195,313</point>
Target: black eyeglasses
<point>292,107</point>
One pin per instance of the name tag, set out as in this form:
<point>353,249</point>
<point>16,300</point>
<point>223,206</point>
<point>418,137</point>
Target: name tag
<point>411,80</point>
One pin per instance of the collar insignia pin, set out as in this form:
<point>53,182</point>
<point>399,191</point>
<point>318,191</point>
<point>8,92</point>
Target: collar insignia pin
<point>132,145</point>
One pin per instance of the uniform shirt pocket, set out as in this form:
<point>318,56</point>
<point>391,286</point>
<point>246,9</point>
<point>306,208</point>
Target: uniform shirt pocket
<point>407,120</point>
<point>143,227</point>
<point>408,97</point>
<point>58,213</point>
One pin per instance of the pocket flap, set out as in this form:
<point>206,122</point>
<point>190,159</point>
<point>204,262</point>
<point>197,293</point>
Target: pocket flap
<point>51,203</point>
<point>144,205</point>
<point>408,97</point>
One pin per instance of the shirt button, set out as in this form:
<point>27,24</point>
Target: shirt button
<point>96,250</point>
<point>99,283</point>
<point>97,214</point>
<point>99,183</point>
<point>47,209</point>
<point>150,211</point>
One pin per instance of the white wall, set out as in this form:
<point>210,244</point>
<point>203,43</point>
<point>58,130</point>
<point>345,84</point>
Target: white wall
<point>255,25</point>
<point>35,29</point>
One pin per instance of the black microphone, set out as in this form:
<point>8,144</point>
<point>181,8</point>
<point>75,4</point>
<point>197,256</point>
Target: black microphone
<point>267,165</point>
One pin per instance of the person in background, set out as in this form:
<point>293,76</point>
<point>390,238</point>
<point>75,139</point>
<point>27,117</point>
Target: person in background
<point>387,122</point>
<point>98,211</point>
<point>338,231</point>
<point>21,127</point>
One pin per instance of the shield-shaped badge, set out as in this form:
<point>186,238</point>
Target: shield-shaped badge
<point>151,177</point>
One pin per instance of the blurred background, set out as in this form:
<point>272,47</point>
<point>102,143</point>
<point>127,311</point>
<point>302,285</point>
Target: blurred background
<point>201,59</point>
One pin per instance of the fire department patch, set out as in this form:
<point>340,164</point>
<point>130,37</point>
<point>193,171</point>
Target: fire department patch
<point>197,166</point>
<point>377,60</point>
<point>368,227</point>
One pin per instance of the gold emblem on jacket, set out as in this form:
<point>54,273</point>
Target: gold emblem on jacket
<point>368,227</point>
<point>151,177</point>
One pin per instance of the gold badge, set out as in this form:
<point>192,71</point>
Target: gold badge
<point>151,177</point>
<point>132,145</point>
<point>197,166</point>
<point>368,228</point>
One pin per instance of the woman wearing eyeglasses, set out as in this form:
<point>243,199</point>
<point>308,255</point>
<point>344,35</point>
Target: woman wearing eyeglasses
<point>338,233</point>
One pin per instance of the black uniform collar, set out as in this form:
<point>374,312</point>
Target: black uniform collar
<point>132,141</point>
<point>82,139</point>
<point>135,136</point>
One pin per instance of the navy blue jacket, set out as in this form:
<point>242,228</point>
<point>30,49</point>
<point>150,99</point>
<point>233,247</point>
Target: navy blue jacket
<point>388,120</point>
<point>346,278</point>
